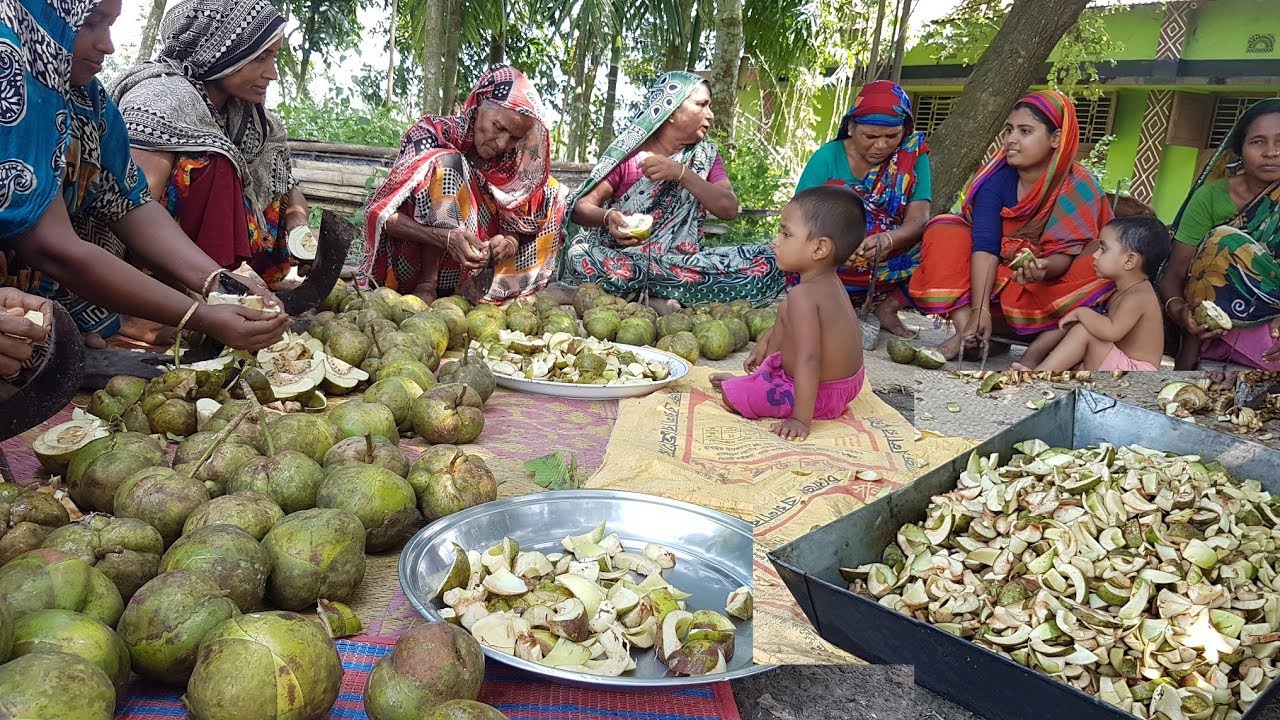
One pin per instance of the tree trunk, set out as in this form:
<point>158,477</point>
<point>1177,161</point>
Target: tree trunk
<point>304,64</point>
<point>725,61</point>
<point>695,42</point>
<point>449,83</point>
<point>585,125</point>
<point>611,94</point>
<point>498,45</point>
<point>1012,62</point>
<point>432,48</point>
<point>676,52</point>
<point>391,60</point>
<point>577,79</point>
<point>873,67</point>
<point>900,45</point>
<point>151,31</point>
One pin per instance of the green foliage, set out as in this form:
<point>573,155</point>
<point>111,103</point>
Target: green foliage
<point>338,120</point>
<point>553,473</point>
<point>760,184</point>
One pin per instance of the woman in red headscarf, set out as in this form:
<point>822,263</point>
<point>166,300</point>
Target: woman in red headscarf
<point>878,155</point>
<point>470,207</point>
<point>1032,196</point>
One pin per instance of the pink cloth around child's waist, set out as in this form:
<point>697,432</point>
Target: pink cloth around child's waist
<point>1117,360</point>
<point>770,392</point>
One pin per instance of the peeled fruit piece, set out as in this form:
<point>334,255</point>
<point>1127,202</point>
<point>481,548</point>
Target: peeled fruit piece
<point>55,685</point>
<point>265,665</point>
<point>1183,395</point>
<point>369,450</point>
<point>431,663</point>
<point>303,243</point>
<point>446,480</point>
<point>228,555</point>
<point>697,657</point>
<point>740,603</point>
<point>252,512</point>
<point>288,478</point>
<point>161,498</point>
<point>55,447</point>
<point>165,621</point>
<point>253,302</point>
<point>472,371</point>
<point>1022,258</point>
<point>397,394</point>
<point>75,634</point>
<point>98,469</point>
<point>126,550</point>
<point>47,578</point>
<point>315,554</point>
<point>341,378</point>
<point>448,414</point>
<point>901,351</point>
<point>464,710</point>
<point>1211,316</point>
<point>383,501</point>
<point>714,340</point>
<point>929,359</point>
<point>638,225</point>
<point>356,418</point>
<point>311,435</point>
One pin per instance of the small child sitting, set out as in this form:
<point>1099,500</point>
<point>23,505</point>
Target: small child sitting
<point>809,365</point>
<point>1130,336</point>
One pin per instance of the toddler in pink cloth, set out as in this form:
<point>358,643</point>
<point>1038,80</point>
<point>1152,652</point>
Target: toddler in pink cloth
<point>809,365</point>
<point>1129,333</point>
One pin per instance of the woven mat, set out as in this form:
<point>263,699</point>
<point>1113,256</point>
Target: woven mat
<point>682,443</point>
<point>519,695</point>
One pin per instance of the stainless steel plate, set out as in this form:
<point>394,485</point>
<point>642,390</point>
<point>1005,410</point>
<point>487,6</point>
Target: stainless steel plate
<point>677,368</point>
<point>713,557</point>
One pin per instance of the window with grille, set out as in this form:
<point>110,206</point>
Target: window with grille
<point>1226,111</point>
<point>1095,118</point>
<point>931,110</point>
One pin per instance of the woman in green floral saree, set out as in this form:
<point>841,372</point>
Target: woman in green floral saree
<point>663,165</point>
<point>1228,234</point>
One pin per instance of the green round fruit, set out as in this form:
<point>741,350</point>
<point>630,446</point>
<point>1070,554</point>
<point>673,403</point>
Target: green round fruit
<point>759,321</point>
<point>265,666</point>
<point>524,321</point>
<point>430,664</point>
<point>348,345</point>
<point>738,331</point>
<point>228,555</point>
<point>56,686</point>
<point>370,450</point>
<point>161,498</point>
<point>559,322</point>
<point>227,458</point>
<point>173,417</point>
<point>167,618</point>
<point>446,480</point>
<point>356,418</point>
<point>288,478</point>
<point>456,319</point>
<point>413,370</point>
<point>715,342</point>
<point>97,469</point>
<point>431,327</point>
<point>383,501</point>
<point>248,510</point>
<point>315,554</point>
<point>310,434</point>
<point>636,331</point>
<point>448,414</point>
<point>472,371</point>
<point>397,394</point>
<point>126,550</point>
<point>464,710</point>
<point>456,301</point>
<point>485,325</point>
<point>672,324</point>
<point>47,578</point>
<point>901,351</point>
<point>76,634</point>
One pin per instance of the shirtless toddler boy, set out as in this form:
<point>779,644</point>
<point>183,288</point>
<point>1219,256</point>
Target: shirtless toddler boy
<point>1130,336</point>
<point>809,365</point>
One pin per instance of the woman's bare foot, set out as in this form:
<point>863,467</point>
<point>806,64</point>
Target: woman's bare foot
<point>1020,367</point>
<point>146,331</point>
<point>887,313</point>
<point>951,347</point>
<point>664,306</point>
<point>94,341</point>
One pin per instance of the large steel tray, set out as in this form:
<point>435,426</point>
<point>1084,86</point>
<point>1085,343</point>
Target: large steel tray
<point>988,684</point>
<point>713,557</point>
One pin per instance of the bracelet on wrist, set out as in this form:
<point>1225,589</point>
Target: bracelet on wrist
<point>207,287</point>
<point>1166,303</point>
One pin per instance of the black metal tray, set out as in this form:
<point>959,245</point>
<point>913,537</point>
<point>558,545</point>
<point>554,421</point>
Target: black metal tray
<point>975,678</point>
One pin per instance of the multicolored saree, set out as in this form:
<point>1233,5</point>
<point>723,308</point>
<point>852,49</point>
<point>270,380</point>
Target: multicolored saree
<point>512,194</point>
<point>672,263</point>
<point>1062,213</point>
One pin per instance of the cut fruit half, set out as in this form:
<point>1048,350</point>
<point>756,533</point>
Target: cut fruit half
<point>638,225</point>
<point>303,243</point>
<point>1211,316</point>
<point>1021,259</point>
<point>341,378</point>
<point>253,302</point>
<point>929,359</point>
<point>55,447</point>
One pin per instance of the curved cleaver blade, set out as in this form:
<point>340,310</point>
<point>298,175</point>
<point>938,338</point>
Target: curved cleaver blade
<point>335,238</point>
<point>52,386</point>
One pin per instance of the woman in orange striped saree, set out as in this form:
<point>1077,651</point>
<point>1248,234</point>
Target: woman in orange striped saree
<point>1032,196</point>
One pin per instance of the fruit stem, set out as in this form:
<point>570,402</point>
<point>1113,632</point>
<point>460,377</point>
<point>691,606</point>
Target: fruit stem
<point>259,413</point>
<point>368,448</point>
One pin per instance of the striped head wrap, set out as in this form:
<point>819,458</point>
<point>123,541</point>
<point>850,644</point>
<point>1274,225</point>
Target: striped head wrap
<point>880,103</point>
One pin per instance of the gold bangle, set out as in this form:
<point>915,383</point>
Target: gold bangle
<point>1166,303</point>
<point>190,311</point>
<point>682,169</point>
<point>986,310</point>
<point>177,336</point>
<point>208,282</point>
<point>606,215</point>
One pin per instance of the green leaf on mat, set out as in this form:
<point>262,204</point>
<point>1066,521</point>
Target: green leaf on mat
<point>553,473</point>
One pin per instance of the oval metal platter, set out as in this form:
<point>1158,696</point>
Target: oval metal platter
<point>676,366</point>
<point>713,556</point>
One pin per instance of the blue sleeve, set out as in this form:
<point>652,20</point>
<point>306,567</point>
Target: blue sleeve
<point>997,193</point>
<point>818,170</point>
<point>121,186</point>
<point>924,180</point>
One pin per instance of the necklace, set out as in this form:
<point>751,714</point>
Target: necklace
<point>1127,289</point>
